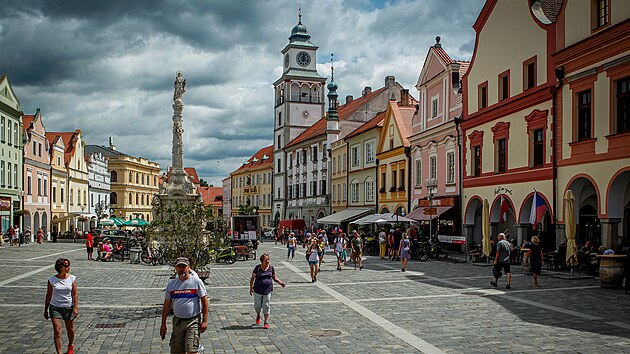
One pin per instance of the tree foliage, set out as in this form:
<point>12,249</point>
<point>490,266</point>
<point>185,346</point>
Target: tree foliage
<point>182,230</point>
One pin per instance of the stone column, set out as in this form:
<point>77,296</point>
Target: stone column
<point>521,233</point>
<point>560,233</point>
<point>467,231</point>
<point>610,231</point>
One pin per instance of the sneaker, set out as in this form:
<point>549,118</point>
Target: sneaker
<point>258,319</point>
<point>508,286</point>
<point>315,279</point>
<point>361,267</point>
<point>493,284</point>
<point>71,349</point>
<point>266,326</point>
<point>403,270</point>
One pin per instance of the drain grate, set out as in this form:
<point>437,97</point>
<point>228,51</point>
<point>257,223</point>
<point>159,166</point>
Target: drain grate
<point>111,325</point>
<point>478,293</point>
<point>324,333</point>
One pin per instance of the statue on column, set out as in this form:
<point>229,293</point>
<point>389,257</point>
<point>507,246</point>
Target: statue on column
<point>180,87</point>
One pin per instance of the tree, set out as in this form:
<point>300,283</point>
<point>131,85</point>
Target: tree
<point>182,230</point>
<point>202,182</point>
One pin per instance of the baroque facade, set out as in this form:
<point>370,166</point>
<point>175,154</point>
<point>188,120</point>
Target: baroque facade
<point>98,185</point>
<point>251,186</point>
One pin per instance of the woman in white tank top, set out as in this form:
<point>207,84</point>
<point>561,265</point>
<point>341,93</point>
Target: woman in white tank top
<point>62,303</point>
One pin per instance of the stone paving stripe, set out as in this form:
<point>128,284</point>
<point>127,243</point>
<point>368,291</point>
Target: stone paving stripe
<point>53,254</point>
<point>22,276</point>
<point>395,330</point>
<point>619,324</point>
<point>553,308</point>
<point>408,297</point>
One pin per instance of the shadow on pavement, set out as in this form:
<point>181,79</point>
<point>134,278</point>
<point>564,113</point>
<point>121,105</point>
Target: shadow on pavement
<point>237,327</point>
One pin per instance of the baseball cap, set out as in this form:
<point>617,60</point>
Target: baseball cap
<point>182,260</point>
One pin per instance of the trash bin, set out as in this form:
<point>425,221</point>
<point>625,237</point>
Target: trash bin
<point>134,254</point>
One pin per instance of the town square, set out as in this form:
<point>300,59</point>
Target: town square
<point>315,176</point>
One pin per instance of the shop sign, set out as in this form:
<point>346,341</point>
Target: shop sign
<point>437,202</point>
<point>5,204</point>
<point>430,211</point>
<point>458,240</point>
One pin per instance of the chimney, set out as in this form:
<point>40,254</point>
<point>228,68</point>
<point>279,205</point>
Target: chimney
<point>404,97</point>
<point>390,81</point>
<point>349,99</point>
<point>111,143</point>
<point>366,91</point>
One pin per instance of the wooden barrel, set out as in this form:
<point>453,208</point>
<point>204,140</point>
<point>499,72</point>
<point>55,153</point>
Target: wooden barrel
<point>611,271</point>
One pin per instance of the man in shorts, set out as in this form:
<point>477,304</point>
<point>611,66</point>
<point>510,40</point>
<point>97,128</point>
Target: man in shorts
<point>189,299</point>
<point>502,261</point>
<point>357,249</point>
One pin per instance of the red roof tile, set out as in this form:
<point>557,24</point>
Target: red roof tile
<point>260,162</point>
<point>69,140</point>
<point>377,121</point>
<point>26,122</point>
<point>212,196</point>
<point>344,111</point>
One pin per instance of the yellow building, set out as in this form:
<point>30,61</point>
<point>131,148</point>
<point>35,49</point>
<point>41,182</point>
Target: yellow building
<point>134,183</point>
<point>393,153</point>
<point>251,185</point>
<point>58,186</point>
<point>339,176</point>
<point>75,193</point>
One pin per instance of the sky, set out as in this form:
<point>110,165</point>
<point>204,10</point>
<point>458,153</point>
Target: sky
<point>108,67</point>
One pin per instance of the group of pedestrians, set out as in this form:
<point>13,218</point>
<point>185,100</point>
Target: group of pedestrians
<point>13,236</point>
<point>396,245</point>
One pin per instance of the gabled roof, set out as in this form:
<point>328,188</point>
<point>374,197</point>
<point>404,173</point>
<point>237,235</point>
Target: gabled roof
<point>344,111</point>
<point>258,160</point>
<point>403,117</point>
<point>6,91</point>
<point>212,196</point>
<point>377,121</point>
<point>69,140</point>
<point>439,52</point>
<point>26,122</point>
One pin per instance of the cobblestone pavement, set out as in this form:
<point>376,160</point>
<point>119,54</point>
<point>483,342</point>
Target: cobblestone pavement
<point>435,307</point>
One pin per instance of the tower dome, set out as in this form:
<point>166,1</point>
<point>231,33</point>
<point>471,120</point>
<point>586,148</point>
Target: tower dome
<point>299,33</point>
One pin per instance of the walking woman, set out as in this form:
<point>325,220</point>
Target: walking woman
<point>312,254</point>
<point>291,244</point>
<point>535,258</point>
<point>62,303</point>
<point>261,287</point>
<point>403,251</point>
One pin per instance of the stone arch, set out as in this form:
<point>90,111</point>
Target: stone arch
<point>526,206</point>
<point>618,193</point>
<point>27,221</point>
<point>495,208</point>
<point>35,221</point>
<point>384,209</point>
<point>472,218</point>
<point>44,222</point>
<point>587,201</point>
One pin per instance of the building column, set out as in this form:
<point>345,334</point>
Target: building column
<point>467,231</point>
<point>494,229</point>
<point>610,232</point>
<point>560,233</point>
<point>521,233</point>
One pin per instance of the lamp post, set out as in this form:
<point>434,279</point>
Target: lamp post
<point>430,183</point>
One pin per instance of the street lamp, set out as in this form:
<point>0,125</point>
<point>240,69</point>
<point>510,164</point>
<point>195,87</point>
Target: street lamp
<point>430,183</point>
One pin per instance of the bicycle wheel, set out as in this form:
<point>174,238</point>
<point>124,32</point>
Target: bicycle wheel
<point>423,255</point>
<point>145,257</point>
<point>230,259</point>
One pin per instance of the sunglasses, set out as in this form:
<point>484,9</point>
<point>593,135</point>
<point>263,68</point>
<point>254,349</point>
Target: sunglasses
<point>66,265</point>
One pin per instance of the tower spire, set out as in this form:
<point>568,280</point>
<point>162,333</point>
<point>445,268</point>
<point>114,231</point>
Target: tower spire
<point>300,14</point>
<point>332,93</point>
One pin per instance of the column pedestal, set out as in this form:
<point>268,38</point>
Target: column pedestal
<point>610,231</point>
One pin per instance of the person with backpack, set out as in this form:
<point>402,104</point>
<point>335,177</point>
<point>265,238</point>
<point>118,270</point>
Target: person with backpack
<point>340,247</point>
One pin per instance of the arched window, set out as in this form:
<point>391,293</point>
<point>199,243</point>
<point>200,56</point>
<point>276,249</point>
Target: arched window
<point>114,176</point>
<point>113,198</point>
<point>130,177</point>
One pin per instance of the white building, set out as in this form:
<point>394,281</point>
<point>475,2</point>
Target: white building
<point>98,183</point>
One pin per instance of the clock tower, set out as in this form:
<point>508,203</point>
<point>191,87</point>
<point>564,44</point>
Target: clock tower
<point>299,103</point>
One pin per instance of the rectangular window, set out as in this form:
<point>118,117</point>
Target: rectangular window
<point>345,163</point>
<point>482,92</point>
<point>623,105</point>
<point>39,150</point>
<point>324,147</point>
<point>54,194</point>
<point>418,173</point>
<point>338,192</point>
<point>15,176</point>
<point>354,192</point>
<point>322,189</point>
<point>303,157</point>
<point>2,173</point>
<point>401,186</point>
<point>369,191</point>
<point>279,165</point>
<point>15,135</point>
<point>62,195</point>
<point>39,186</point>
<point>345,193</point>
<point>433,167</point>
<point>334,196</point>
<point>9,174</point>
<point>2,129</point>
<point>600,13</point>
<point>383,180</point>
<point>313,187</point>
<point>501,155</point>
<point>584,115</point>
<point>303,193</point>
<point>355,156</point>
<point>450,167</point>
<point>34,148</point>
<point>370,152</point>
<point>504,86</point>
<point>394,180</point>
<point>434,108</point>
<point>334,164</point>
<point>9,135</point>
<point>28,185</point>
<point>476,168</point>
<point>314,154</point>
<point>529,73</point>
<point>538,148</point>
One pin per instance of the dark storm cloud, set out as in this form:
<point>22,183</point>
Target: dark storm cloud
<point>107,67</point>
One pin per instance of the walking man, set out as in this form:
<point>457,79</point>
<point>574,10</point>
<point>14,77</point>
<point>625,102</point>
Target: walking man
<point>502,261</point>
<point>189,299</point>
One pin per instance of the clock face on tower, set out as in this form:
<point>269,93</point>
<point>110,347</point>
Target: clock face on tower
<point>303,58</point>
<point>286,60</point>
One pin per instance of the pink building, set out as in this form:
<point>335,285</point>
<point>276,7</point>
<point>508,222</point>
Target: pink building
<point>36,174</point>
<point>435,141</point>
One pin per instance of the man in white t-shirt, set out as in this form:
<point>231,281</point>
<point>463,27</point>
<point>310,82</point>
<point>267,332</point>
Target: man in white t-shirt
<point>189,299</point>
<point>340,244</point>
